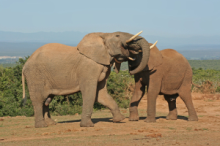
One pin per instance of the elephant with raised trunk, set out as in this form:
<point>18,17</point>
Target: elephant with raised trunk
<point>56,69</point>
<point>167,73</point>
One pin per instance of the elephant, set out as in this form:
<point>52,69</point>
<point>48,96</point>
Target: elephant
<point>57,69</point>
<point>167,73</point>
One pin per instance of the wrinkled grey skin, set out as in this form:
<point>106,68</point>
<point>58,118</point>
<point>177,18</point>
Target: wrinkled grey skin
<point>168,73</point>
<point>56,69</point>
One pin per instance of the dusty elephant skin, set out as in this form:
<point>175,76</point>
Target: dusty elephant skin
<point>56,69</point>
<point>168,73</point>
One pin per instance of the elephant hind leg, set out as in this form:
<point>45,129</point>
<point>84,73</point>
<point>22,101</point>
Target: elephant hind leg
<point>38,102</point>
<point>171,100</point>
<point>187,99</point>
<point>46,113</point>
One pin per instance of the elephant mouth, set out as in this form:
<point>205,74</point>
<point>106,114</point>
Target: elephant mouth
<point>132,58</point>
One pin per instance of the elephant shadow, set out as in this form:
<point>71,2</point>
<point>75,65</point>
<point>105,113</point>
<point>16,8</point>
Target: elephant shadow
<point>94,120</point>
<point>164,117</point>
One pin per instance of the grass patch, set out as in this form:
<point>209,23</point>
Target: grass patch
<point>188,128</point>
<point>171,128</point>
<point>200,115</point>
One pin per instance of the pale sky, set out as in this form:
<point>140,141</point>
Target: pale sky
<point>154,17</point>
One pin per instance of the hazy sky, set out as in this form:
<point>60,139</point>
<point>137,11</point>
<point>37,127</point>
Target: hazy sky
<point>154,17</point>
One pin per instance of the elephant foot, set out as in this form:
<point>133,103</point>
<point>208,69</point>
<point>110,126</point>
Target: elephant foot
<point>133,117</point>
<point>171,117</point>
<point>150,120</point>
<point>133,114</point>
<point>50,121</point>
<point>118,118</point>
<point>40,124</point>
<point>86,123</point>
<point>193,118</point>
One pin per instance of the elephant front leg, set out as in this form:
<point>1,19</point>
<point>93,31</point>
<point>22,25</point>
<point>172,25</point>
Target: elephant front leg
<point>88,90</point>
<point>171,99</point>
<point>105,99</point>
<point>153,92</point>
<point>136,98</point>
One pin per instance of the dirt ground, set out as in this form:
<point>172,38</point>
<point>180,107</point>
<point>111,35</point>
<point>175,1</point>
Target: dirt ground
<point>20,130</point>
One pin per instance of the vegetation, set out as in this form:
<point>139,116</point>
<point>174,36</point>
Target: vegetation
<point>205,64</point>
<point>119,87</point>
<point>208,80</point>
<point>196,64</point>
<point>8,65</point>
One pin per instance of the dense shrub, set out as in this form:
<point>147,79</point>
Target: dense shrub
<point>208,80</point>
<point>11,92</point>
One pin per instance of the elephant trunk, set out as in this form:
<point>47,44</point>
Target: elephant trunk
<point>145,56</point>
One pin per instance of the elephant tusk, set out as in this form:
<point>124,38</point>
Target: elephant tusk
<point>139,50</point>
<point>132,59</point>
<point>133,37</point>
<point>117,60</point>
<point>113,65</point>
<point>133,52</point>
<point>153,45</point>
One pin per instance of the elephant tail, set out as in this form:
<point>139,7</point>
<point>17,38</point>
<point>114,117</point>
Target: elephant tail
<point>23,84</point>
<point>196,85</point>
<point>23,102</point>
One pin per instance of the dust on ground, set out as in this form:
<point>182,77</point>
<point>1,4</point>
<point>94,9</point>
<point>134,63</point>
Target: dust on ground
<point>20,130</point>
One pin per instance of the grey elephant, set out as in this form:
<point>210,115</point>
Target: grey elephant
<point>57,69</point>
<point>167,73</point>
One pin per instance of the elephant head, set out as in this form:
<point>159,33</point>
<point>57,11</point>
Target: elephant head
<point>106,48</point>
<point>155,58</point>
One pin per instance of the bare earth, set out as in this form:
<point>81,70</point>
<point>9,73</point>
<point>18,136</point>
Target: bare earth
<point>20,130</point>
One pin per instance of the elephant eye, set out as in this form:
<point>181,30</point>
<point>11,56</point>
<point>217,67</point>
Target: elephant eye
<point>117,35</point>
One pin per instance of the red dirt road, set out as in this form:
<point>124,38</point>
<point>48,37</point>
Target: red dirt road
<point>20,130</point>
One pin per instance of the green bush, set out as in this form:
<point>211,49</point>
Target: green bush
<point>118,85</point>
<point>201,77</point>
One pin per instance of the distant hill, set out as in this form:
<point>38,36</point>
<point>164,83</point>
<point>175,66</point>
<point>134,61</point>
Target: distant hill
<point>24,44</point>
<point>73,37</point>
<point>69,37</point>
<point>21,48</point>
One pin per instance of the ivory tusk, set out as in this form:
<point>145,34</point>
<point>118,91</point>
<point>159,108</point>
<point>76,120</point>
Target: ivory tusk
<point>133,52</point>
<point>132,59</point>
<point>133,37</point>
<point>153,45</point>
<point>113,65</point>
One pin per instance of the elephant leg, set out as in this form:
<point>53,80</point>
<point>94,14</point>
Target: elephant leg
<point>136,98</point>
<point>105,99</point>
<point>46,114</point>
<point>153,91</point>
<point>187,99</point>
<point>37,102</point>
<point>88,90</point>
<point>171,100</point>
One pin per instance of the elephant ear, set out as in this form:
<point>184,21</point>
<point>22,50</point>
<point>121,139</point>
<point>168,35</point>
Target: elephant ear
<point>93,47</point>
<point>155,58</point>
